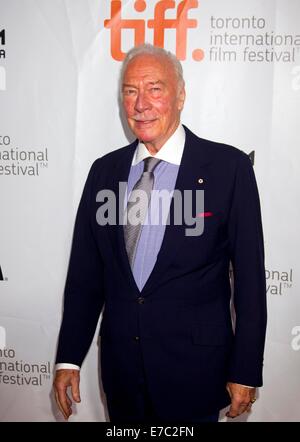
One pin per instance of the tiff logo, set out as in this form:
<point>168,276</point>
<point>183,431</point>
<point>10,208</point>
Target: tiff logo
<point>180,24</point>
<point>2,338</point>
<point>251,155</point>
<point>2,55</point>
<point>2,37</point>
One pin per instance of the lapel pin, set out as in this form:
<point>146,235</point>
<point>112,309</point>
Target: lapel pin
<point>200,181</point>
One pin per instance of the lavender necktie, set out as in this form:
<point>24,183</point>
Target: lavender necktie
<point>140,195</point>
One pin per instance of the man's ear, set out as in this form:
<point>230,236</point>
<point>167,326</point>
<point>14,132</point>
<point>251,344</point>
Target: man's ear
<point>181,99</point>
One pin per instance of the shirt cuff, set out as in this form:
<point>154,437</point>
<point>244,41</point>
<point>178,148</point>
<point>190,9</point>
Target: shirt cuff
<point>64,366</point>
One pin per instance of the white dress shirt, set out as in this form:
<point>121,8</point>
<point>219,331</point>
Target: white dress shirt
<point>171,151</point>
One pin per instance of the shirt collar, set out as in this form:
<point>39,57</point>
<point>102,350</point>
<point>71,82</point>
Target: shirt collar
<point>171,151</point>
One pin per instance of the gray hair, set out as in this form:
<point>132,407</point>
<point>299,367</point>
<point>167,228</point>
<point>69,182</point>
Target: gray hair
<point>149,49</point>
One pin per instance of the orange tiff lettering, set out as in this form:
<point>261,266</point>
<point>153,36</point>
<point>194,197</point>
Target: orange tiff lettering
<point>159,24</point>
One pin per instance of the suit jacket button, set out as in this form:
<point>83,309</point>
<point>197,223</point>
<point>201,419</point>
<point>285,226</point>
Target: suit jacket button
<point>136,338</point>
<point>141,300</point>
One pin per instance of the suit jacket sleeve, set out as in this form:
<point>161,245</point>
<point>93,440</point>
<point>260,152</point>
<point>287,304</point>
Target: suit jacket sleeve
<point>84,294</point>
<point>247,256</point>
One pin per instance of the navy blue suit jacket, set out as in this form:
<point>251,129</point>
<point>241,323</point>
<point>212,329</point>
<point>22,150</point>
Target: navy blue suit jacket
<point>183,329</point>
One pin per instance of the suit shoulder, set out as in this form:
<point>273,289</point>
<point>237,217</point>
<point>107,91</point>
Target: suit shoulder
<point>219,151</point>
<point>109,159</point>
<point>226,152</point>
<point>116,154</point>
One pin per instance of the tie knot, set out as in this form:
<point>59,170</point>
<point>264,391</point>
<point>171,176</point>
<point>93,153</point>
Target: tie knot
<point>150,163</point>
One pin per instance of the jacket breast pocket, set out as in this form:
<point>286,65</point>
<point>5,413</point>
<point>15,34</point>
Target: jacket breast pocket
<point>214,334</point>
<point>204,228</point>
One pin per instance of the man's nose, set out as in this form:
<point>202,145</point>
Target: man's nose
<point>141,103</point>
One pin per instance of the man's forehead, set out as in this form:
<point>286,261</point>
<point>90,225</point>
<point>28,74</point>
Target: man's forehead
<point>145,75</point>
<point>147,79</point>
<point>148,65</point>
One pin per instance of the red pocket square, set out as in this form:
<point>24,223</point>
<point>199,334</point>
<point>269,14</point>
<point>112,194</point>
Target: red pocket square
<point>204,214</point>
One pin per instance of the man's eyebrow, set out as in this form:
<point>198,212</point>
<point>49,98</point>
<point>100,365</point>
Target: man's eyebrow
<point>156,82</point>
<point>152,83</point>
<point>128,85</point>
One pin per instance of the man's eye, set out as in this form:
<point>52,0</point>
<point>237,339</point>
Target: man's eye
<point>129,92</point>
<point>155,89</point>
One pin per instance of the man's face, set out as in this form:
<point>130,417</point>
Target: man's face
<point>152,99</point>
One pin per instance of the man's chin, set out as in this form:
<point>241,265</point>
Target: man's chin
<point>143,134</point>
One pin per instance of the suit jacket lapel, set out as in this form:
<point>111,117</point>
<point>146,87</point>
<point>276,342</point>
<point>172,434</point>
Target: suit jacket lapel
<point>193,166</point>
<point>120,175</point>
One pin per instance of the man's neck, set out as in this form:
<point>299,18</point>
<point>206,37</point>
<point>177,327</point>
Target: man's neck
<point>154,147</point>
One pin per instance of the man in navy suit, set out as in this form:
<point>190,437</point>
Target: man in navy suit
<point>169,351</point>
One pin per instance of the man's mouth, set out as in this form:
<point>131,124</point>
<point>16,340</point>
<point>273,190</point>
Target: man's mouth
<point>144,122</point>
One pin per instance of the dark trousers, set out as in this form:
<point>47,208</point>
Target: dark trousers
<point>139,409</point>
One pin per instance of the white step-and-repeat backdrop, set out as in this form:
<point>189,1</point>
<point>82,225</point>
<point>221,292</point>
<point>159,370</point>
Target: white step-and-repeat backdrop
<point>59,65</point>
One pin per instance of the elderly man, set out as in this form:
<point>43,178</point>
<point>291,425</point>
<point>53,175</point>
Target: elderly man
<point>168,349</point>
